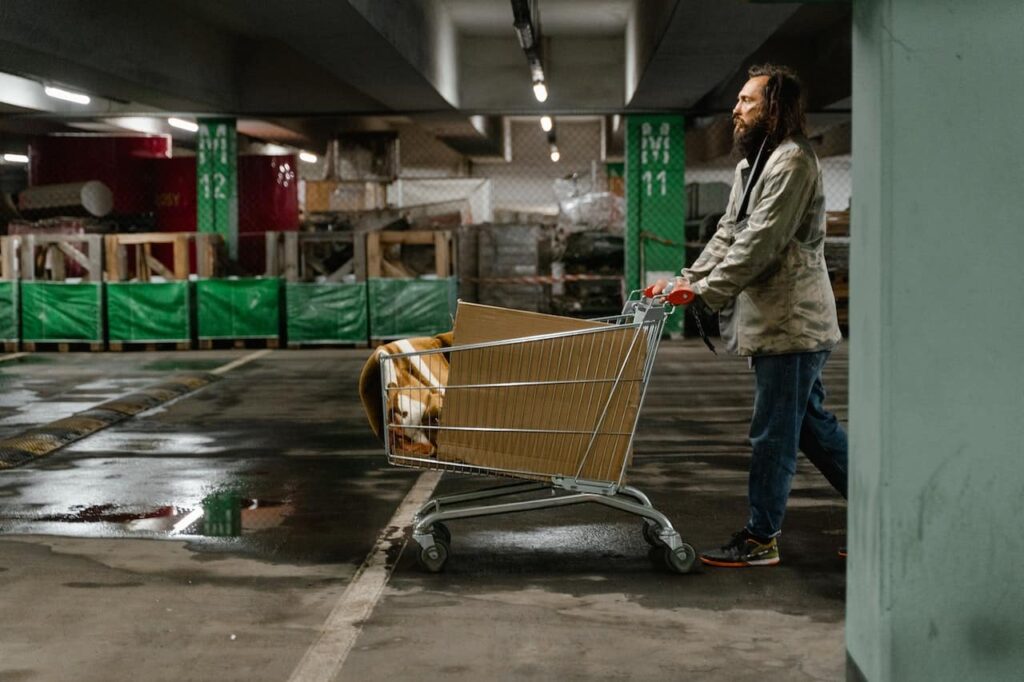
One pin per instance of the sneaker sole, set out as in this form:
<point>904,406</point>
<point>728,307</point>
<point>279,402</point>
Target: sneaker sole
<point>740,564</point>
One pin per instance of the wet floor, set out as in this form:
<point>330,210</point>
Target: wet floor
<point>226,524</point>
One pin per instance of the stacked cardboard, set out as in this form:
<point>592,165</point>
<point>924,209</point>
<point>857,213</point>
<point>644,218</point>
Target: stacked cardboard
<point>543,423</point>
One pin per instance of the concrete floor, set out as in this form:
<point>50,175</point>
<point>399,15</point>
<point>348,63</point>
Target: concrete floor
<point>98,584</point>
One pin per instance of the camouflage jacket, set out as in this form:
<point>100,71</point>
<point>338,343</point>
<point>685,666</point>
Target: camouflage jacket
<point>766,273</point>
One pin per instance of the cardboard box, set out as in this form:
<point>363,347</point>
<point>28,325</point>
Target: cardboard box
<point>558,393</point>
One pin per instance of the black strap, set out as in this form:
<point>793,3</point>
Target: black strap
<point>700,328</point>
<point>755,172</point>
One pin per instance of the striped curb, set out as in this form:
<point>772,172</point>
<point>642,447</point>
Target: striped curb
<point>43,440</point>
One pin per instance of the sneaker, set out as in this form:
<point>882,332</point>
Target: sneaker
<point>743,550</point>
<point>842,552</point>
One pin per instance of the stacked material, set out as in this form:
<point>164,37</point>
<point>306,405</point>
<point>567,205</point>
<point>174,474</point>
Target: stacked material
<point>514,264</point>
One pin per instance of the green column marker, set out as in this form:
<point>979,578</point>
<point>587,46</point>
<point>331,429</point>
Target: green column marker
<point>655,201</point>
<point>217,180</point>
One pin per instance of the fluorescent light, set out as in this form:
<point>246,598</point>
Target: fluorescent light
<point>307,157</point>
<point>540,91</point>
<point>140,124</point>
<point>183,124</point>
<point>546,124</point>
<point>66,95</point>
<point>15,158</point>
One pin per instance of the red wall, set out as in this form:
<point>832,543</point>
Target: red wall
<point>268,194</point>
<point>122,162</point>
<point>268,200</point>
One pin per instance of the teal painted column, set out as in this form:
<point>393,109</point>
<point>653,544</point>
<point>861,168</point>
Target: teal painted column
<point>655,201</point>
<point>935,578</point>
<point>217,180</point>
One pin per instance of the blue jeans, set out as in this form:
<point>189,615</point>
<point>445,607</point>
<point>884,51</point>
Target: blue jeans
<point>788,415</point>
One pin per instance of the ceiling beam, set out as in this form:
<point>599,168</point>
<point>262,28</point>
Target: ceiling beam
<point>816,42</point>
<point>703,43</point>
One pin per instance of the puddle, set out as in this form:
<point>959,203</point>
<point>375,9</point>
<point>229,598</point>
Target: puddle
<point>221,515</point>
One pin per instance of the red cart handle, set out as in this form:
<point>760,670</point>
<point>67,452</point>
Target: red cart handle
<point>676,296</point>
<point>680,296</point>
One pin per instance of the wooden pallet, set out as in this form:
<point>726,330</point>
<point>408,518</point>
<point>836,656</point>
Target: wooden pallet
<point>380,264</point>
<point>62,346</point>
<point>304,256</point>
<point>149,346</point>
<point>121,268</point>
<point>46,256</point>
<point>222,344</point>
<point>300,345</point>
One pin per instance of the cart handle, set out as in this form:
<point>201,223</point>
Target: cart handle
<point>676,296</point>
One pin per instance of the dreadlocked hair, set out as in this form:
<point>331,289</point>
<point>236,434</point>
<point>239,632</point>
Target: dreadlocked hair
<point>784,101</point>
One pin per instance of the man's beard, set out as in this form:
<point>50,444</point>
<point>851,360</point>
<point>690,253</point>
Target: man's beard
<point>747,141</point>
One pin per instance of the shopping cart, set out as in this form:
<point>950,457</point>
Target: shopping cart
<point>573,396</point>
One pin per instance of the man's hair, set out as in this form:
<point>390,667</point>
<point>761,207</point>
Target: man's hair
<point>783,101</point>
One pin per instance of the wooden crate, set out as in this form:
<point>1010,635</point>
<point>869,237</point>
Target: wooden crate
<point>48,255</point>
<point>9,257</point>
<point>303,256</point>
<point>121,268</point>
<point>379,264</point>
<point>837,223</point>
<point>841,290</point>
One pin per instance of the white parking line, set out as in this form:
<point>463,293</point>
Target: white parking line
<point>241,361</point>
<point>325,657</point>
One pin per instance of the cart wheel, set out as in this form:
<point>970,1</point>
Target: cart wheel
<point>651,534</point>
<point>434,558</point>
<point>440,530</point>
<point>681,559</point>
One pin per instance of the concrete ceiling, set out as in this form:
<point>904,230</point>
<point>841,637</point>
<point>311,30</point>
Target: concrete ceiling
<point>308,68</point>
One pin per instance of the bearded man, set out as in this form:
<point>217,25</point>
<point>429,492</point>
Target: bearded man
<point>764,272</point>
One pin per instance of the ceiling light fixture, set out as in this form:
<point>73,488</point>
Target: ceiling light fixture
<point>66,95</point>
<point>182,124</point>
<point>546,124</point>
<point>555,156</point>
<point>540,91</point>
<point>307,157</point>
<point>15,158</point>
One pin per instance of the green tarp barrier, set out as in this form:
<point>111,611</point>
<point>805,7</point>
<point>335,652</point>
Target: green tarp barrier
<point>148,311</point>
<point>58,311</point>
<point>326,313</point>
<point>411,307</point>
<point>238,308</point>
<point>8,311</point>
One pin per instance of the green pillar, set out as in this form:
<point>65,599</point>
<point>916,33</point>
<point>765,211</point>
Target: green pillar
<point>655,201</point>
<point>935,578</point>
<point>217,180</point>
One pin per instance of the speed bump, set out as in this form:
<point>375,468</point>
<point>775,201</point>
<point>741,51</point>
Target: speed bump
<point>42,440</point>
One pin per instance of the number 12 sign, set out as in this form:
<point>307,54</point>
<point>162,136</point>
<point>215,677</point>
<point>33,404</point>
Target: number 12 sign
<point>217,180</point>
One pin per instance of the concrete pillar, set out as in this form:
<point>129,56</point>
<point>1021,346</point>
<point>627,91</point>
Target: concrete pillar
<point>935,585</point>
